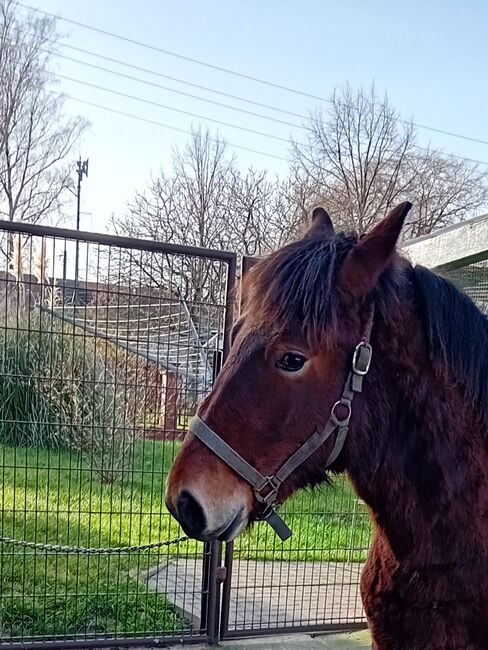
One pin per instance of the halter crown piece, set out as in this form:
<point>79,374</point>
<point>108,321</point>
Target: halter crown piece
<point>266,487</point>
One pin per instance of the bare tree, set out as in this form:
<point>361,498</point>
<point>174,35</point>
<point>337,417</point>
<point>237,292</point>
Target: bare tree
<point>353,157</point>
<point>204,200</point>
<point>293,201</point>
<point>253,213</point>
<point>359,158</point>
<point>445,190</point>
<point>36,139</point>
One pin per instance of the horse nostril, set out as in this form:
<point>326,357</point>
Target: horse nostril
<point>190,514</point>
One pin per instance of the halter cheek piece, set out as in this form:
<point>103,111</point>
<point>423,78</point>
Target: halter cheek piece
<point>266,487</point>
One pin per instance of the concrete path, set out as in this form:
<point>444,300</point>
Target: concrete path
<point>268,594</point>
<point>353,641</point>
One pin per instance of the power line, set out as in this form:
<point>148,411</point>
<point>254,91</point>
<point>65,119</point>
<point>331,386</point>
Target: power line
<point>222,122</point>
<point>255,132</point>
<point>182,81</point>
<point>210,101</point>
<point>176,110</point>
<point>161,50</point>
<point>444,132</point>
<point>167,126</point>
<point>221,104</point>
<point>241,75</point>
<point>179,92</point>
<point>229,95</point>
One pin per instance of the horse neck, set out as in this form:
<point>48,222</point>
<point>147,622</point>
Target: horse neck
<point>419,459</point>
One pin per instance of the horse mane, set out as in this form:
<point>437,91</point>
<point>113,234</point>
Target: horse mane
<point>295,289</point>
<point>457,333</point>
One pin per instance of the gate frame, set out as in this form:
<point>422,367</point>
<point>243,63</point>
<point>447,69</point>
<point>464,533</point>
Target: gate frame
<point>212,555</point>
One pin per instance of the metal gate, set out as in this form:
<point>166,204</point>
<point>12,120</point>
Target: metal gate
<point>106,346</point>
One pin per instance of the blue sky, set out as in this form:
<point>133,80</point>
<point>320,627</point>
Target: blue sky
<point>431,58</point>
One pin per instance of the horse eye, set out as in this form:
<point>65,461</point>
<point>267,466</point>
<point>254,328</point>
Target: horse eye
<point>291,362</point>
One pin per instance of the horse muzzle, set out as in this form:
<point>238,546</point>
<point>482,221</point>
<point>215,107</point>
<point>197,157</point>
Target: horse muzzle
<point>224,525</point>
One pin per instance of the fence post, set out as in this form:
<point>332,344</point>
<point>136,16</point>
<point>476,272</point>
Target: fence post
<point>214,574</point>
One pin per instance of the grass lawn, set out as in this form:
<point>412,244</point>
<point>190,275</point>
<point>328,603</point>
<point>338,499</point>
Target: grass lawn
<point>52,496</point>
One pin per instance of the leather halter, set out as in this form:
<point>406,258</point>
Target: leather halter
<point>266,487</point>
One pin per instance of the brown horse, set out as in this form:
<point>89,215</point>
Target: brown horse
<point>417,446</point>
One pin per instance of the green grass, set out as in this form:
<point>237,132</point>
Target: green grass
<point>53,496</point>
<point>328,525</point>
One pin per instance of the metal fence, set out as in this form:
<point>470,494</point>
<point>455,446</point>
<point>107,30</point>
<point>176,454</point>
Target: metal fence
<point>311,582</point>
<point>473,280</point>
<point>106,346</point>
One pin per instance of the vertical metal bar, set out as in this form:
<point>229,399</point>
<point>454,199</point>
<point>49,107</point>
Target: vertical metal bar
<point>213,594</point>
<point>213,616</point>
<point>229,304</point>
<point>205,588</point>
<point>217,364</point>
<point>207,554</point>
<point>247,263</point>
<point>226,590</point>
<point>212,589</point>
<point>229,548</point>
<point>77,249</point>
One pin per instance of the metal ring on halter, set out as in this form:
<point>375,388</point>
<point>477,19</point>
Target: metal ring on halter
<point>335,419</point>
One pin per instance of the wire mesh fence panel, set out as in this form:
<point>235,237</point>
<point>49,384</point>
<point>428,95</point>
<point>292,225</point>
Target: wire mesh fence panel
<point>105,348</point>
<point>473,280</point>
<point>312,580</point>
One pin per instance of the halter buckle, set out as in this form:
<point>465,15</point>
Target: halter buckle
<point>272,484</point>
<point>361,359</point>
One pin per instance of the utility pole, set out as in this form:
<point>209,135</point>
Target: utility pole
<point>81,170</point>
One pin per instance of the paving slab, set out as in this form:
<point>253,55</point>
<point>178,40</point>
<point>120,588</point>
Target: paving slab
<point>268,594</point>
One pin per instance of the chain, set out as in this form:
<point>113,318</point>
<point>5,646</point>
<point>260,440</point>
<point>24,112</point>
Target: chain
<point>81,550</point>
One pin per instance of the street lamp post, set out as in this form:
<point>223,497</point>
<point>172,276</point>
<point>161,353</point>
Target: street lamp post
<point>81,170</point>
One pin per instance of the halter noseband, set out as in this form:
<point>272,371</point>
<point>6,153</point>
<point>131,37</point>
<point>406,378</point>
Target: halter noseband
<point>266,487</point>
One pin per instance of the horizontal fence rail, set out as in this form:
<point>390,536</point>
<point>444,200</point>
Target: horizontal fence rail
<point>148,245</point>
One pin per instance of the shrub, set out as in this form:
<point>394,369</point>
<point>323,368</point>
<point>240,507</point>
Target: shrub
<point>62,387</point>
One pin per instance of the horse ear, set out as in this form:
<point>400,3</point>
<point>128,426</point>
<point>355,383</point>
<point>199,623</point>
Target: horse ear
<point>321,224</point>
<point>369,258</point>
